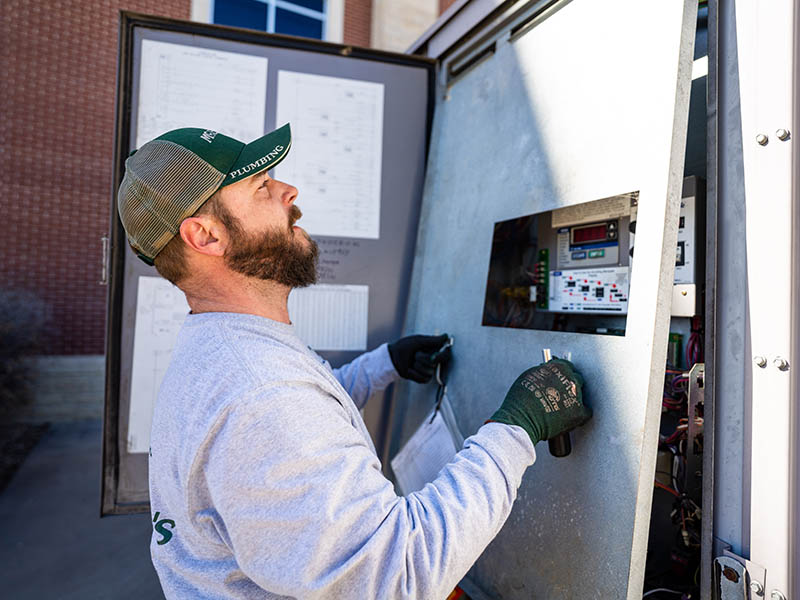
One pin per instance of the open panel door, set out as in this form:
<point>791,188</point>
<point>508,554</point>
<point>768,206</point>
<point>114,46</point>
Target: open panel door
<point>545,106</point>
<point>361,122</point>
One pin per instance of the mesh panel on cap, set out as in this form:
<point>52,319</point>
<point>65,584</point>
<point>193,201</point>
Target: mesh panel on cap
<point>164,183</point>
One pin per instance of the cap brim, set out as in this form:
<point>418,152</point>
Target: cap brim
<point>260,155</point>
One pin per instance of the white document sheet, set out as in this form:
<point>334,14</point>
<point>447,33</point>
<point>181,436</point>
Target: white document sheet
<point>182,86</point>
<point>161,309</point>
<point>331,317</point>
<point>337,148</point>
<point>424,455</point>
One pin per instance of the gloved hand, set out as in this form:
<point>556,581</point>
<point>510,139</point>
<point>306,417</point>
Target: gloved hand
<point>545,401</point>
<point>411,356</point>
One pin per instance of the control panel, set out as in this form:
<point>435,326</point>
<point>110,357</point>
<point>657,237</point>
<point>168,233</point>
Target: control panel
<point>570,268</point>
<point>589,273</point>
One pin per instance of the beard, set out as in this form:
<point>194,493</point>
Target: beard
<point>274,255</point>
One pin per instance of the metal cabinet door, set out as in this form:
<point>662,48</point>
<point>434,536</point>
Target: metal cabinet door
<point>381,264</point>
<point>543,106</point>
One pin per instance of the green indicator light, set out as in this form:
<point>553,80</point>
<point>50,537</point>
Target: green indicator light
<point>597,253</point>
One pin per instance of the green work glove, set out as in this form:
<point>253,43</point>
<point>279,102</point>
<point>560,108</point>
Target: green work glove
<point>545,401</point>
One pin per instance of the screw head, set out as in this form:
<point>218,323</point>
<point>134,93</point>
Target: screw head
<point>731,574</point>
<point>777,595</point>
<point>781,363</point>
<point>762,139</point>
<point>783,134</point>
<point>757,588</point>
<point>761,361</point>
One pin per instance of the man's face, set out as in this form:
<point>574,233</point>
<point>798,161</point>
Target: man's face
<point>259,214</point>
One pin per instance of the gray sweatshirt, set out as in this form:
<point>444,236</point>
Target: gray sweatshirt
<point>264,482</point>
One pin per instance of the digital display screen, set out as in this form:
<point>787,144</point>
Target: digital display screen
<point>592,233</point>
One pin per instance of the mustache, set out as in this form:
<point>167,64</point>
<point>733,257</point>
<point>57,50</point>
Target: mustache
<point>294,215</point>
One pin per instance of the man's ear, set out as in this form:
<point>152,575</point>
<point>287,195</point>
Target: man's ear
<point>204,234</point>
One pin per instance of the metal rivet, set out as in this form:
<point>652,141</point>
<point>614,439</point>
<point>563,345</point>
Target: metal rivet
<point>781,363</point>
<point>777,595</point>
<point>783,134</point>
<point>757,588</point>
<point>761,361</point>
<point>762,139</point>
<point>684,293</point>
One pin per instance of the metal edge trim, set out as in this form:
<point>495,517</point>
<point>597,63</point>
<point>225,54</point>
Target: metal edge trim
<point>710,308</point>
<point>110,452</point>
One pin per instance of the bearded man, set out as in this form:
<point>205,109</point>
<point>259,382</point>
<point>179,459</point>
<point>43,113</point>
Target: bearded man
<point>264,482</point>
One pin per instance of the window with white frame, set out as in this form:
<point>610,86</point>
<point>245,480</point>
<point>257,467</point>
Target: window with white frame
<point>305,18</point>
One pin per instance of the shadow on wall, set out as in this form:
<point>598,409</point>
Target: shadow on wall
<point>39,388</point>
<point>23,321</point>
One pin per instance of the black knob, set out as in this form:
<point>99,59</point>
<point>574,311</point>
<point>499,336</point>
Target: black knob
<point>560,445</point>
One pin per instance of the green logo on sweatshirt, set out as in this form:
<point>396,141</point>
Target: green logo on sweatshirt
<point>161,528</point>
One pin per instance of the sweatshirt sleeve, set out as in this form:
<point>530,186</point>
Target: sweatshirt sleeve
<point>369,373</point>
<point>306,511</point>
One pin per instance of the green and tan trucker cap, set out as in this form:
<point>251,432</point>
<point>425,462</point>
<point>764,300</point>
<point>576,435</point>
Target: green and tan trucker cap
<point>169,178</point>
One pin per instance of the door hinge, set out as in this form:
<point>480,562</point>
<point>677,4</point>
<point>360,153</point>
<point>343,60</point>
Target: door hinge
<point>737,578</point>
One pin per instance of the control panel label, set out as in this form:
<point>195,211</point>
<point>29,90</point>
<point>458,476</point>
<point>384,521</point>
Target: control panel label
<point>599,291</point>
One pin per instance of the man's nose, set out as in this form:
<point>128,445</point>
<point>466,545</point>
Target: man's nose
<point>289,194</point>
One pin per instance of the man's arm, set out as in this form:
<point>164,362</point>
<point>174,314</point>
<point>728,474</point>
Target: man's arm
<point>307,512</point>
<point>369,373</point>
<point>413,357</point>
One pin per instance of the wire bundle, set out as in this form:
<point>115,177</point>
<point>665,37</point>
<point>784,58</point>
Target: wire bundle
<point>694,347</point>
<point>679,567</point>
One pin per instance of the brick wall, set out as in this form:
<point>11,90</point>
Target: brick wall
<point>58,68</point>
<point>357,22</point>
<point>58,65</point>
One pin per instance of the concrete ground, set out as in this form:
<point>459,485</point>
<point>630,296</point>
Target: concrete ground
<point>53,544</point>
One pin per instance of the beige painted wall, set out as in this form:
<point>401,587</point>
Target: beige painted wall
<point>396,24</point>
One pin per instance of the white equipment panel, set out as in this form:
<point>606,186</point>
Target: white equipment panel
<point>603,290</point>
<point>686,250</point>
